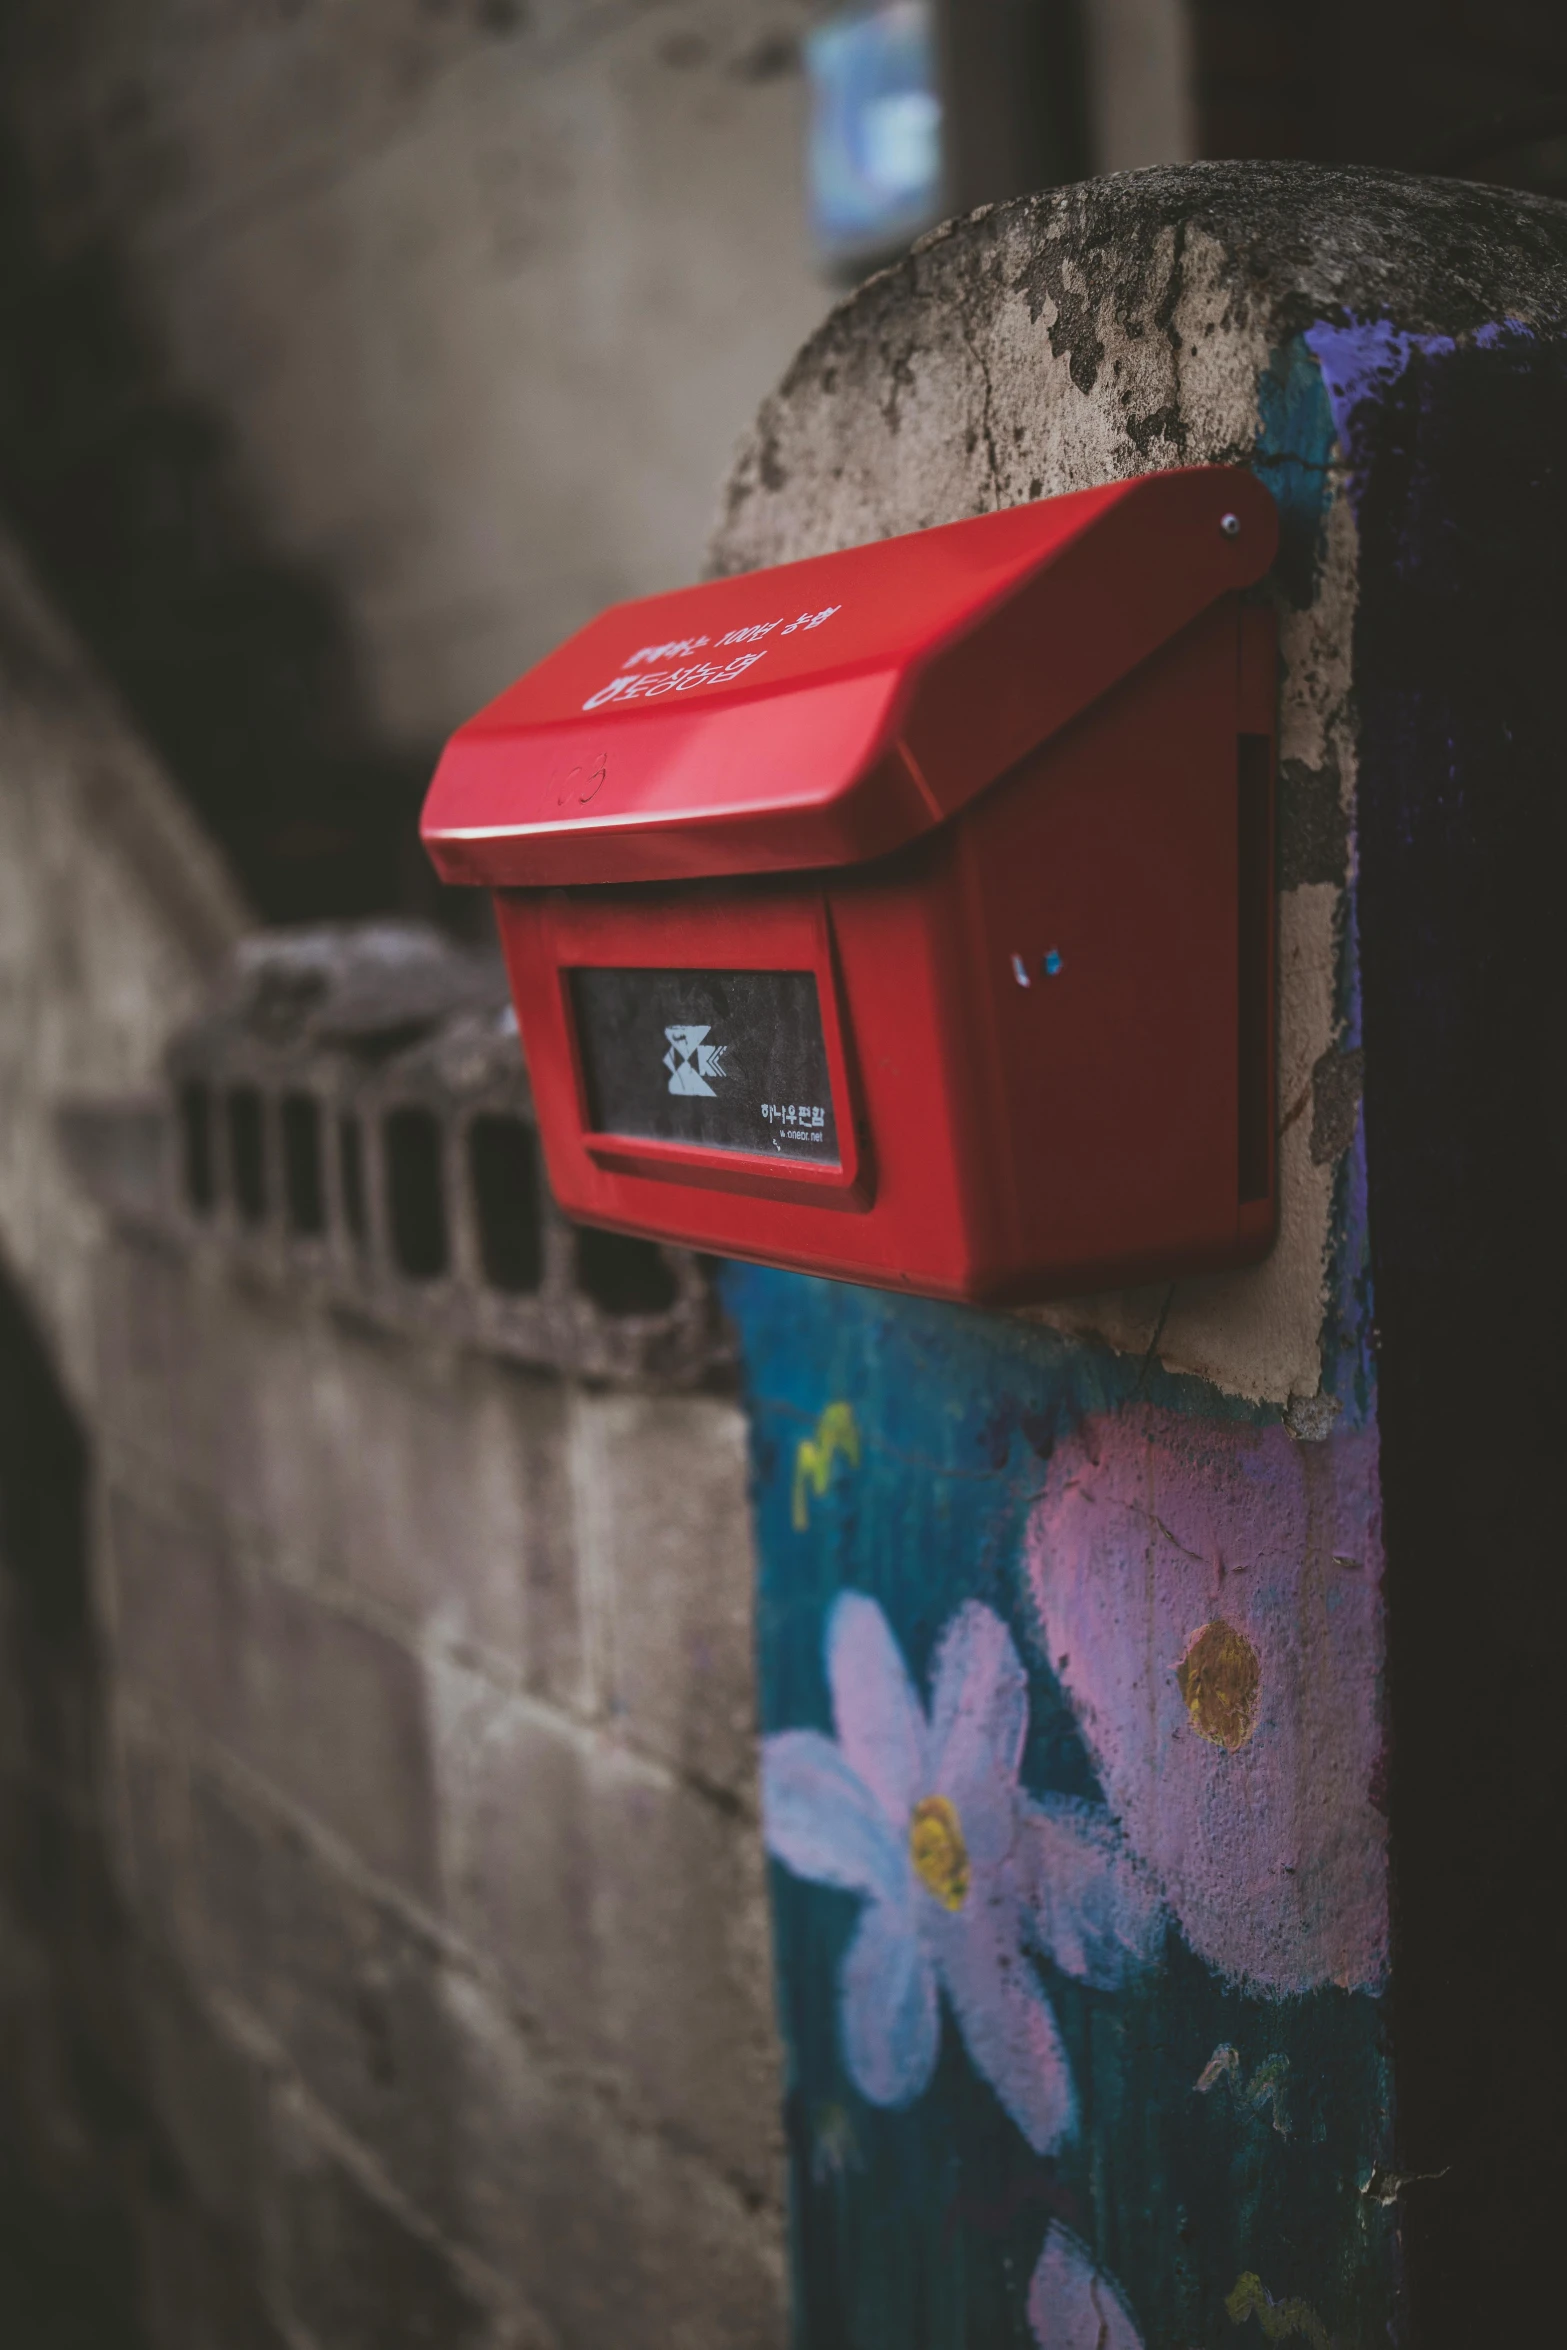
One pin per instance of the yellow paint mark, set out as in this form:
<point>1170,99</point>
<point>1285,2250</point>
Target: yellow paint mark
<point>937,1849</point>
<point>1220,1677</point>
<point>835,2150</point>
<point>1225,2062</point>
<point>1279,2320</point>
<point>835,1433</point>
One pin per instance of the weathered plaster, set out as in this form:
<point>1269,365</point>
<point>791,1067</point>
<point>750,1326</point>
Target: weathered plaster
<point>1098,332</point>
<point>1011,374</point>
<point>1048,381</point>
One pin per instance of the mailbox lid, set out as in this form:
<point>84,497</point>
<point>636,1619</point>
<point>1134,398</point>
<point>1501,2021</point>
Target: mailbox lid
<point>825,712</point>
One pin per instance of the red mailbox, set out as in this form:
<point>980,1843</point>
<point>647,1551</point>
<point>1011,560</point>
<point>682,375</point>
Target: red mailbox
<point>906,914</point>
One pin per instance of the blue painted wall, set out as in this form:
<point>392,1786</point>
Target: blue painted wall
<point>1071,1688</point>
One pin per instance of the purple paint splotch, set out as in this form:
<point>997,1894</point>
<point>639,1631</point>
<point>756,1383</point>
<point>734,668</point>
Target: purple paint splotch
<point>1362,360</point>
<point>1161,1541</point>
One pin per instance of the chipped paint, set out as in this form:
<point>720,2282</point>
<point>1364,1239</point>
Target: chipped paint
<point>1267,2087</point>
<point>1219,1677</point>
<point>1086,375</point>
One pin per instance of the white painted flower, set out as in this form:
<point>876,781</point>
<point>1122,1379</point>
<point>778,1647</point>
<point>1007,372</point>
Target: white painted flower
<point>1072,2305</point>
<point>960,1871</point>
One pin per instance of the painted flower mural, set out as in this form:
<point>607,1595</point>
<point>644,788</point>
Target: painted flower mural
<point>963,1875</point>
<point>1072,2305</point>
<point>1211,1600</point>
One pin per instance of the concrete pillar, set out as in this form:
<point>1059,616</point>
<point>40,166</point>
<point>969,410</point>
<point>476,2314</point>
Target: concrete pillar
<point>1160,1692</point>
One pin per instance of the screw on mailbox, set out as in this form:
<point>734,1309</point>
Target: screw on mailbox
<point>1230,524</point>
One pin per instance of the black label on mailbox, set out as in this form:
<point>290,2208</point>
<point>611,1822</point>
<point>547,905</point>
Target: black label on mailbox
<point>729,1060</point>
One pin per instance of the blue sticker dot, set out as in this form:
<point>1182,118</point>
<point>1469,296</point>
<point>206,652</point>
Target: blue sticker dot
<point>1053,963</point>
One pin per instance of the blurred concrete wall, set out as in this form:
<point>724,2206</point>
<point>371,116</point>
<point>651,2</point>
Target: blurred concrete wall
<point>115,916</point>
<point>383,1951</point>
<point>485,291</point>
<point>433,1697</point>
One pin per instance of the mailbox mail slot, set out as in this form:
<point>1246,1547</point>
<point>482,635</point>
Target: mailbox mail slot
<point>906,914</point>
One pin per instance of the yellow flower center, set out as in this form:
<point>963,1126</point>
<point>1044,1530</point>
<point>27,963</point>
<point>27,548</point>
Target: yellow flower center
<point>938,1851</point>
<point>1220,1677</point>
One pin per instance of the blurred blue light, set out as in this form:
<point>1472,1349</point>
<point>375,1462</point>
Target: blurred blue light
<point>875,145</point>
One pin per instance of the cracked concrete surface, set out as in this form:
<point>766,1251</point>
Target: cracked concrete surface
<point>1107,330</point>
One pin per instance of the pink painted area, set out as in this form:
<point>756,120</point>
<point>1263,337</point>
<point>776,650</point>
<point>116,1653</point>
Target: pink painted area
<point>1273,1858</point>
<point>1072,2305</point>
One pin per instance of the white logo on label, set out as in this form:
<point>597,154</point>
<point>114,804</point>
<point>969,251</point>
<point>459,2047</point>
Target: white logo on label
<point>691,1062</point>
